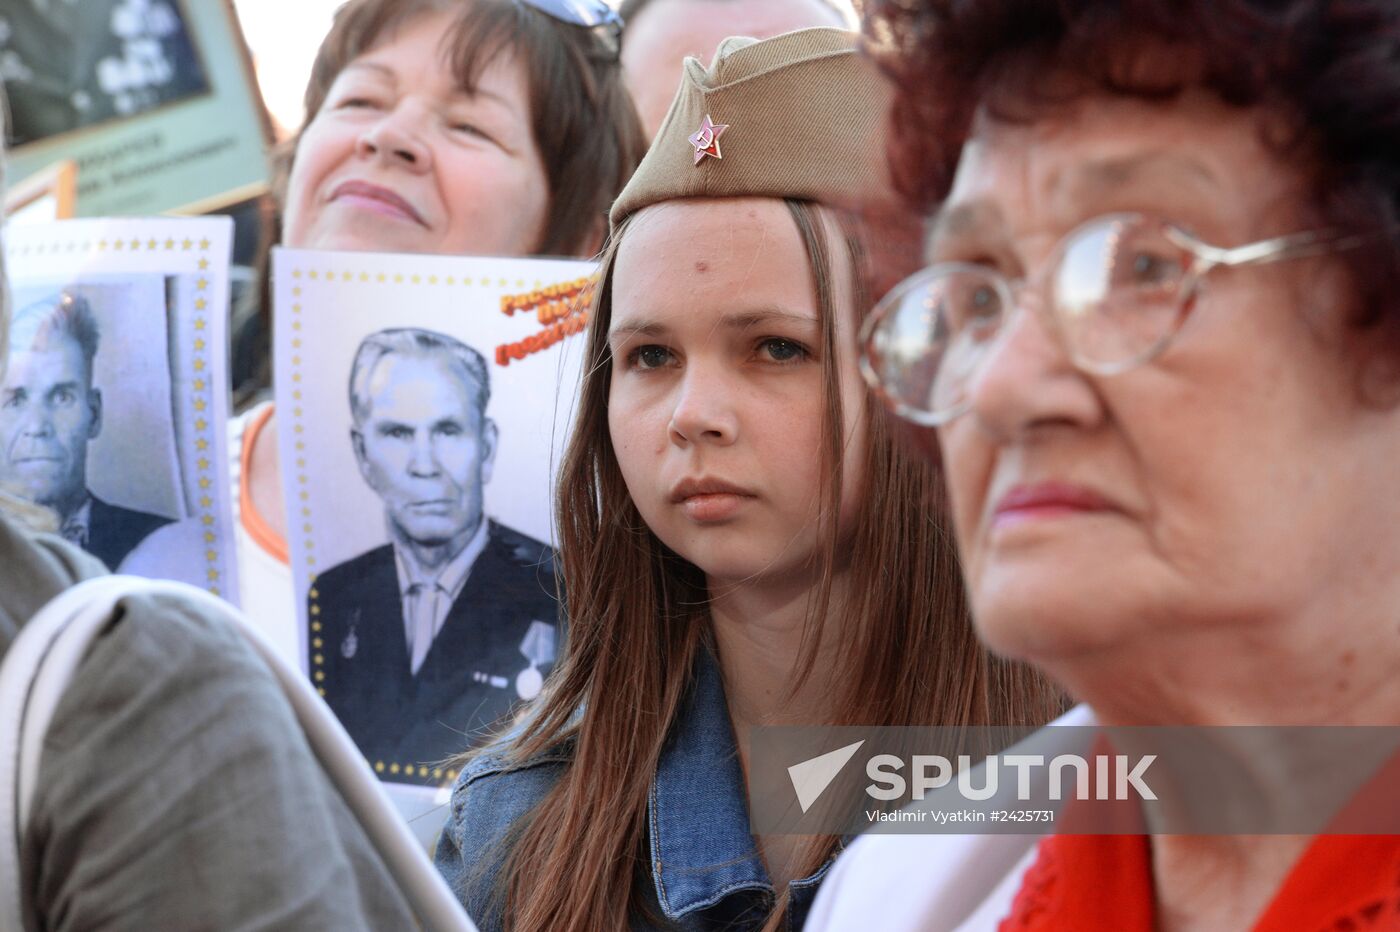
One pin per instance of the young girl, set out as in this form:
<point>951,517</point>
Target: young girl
<point>743,544</point>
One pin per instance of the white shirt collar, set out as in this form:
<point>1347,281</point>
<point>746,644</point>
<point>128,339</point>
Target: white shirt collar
<point>453,577</point>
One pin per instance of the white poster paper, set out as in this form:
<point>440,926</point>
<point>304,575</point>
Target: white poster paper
<point>424,404</point>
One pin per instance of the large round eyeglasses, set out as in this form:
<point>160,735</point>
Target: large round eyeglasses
<point>1116,291</point>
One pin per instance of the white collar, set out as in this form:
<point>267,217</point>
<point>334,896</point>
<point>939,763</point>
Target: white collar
<point>453,576</point>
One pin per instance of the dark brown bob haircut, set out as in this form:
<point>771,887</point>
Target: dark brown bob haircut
<point>1329,68</point>
<point>584,123</point>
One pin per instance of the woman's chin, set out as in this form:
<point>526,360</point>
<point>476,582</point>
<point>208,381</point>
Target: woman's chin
<point>1045,628</point>
<point>365,236</point>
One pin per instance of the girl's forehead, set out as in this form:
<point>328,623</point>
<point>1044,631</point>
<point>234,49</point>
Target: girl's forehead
<point>706,224</point>
<point>703,259</point>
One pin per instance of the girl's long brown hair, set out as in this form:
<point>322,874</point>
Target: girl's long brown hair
<point>638,619</point>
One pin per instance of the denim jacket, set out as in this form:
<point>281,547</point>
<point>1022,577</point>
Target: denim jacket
<point>706,872</point>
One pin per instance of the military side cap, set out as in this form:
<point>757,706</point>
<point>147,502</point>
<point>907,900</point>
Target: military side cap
<point>801,115</point>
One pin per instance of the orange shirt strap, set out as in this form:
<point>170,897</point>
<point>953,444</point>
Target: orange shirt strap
<point>258,529</point>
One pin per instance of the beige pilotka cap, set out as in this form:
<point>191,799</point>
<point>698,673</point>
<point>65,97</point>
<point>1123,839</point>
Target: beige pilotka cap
<point>801,115</point>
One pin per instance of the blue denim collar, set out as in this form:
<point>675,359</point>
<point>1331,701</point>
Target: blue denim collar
<point>701,848</point>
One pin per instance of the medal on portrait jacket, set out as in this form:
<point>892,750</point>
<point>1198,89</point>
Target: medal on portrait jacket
<point>350,644</point>
<point>538,648</point>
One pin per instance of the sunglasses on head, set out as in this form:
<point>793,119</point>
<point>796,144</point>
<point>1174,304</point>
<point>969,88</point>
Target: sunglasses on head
<point>590,14</point>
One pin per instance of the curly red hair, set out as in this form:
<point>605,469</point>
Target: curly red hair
<point>1330,68</point>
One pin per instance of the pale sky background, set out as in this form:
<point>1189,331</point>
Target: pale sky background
<point>283,36</point>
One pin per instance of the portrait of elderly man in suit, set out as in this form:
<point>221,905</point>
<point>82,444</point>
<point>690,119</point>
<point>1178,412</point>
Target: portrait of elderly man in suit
<point>428,640</point>
<point>49,412</point>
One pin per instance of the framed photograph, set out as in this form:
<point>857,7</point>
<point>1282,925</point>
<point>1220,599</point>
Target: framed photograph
<point>114,402</point>
<point>44,196</point>
<point>155,100</point>
<point>427,401</point>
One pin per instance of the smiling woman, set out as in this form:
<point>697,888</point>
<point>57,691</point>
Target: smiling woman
<point>446,90</point>
<point>402,157</point>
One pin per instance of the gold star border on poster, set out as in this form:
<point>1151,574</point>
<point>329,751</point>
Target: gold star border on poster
<point>202,401</point>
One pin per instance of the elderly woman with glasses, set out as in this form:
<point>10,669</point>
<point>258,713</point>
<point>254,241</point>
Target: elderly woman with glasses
<point>1159,340</point>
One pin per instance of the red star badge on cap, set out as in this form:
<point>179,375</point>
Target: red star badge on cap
<point>706,139</point>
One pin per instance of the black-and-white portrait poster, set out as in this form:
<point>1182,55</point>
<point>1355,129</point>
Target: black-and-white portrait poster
<point>427,400</point>
<point>115,397</point>
<point>72,64</point>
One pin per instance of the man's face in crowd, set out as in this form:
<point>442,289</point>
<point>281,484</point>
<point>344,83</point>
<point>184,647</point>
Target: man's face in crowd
<point>660,37</point>
<point>48,413</point>
<point>425,447</point>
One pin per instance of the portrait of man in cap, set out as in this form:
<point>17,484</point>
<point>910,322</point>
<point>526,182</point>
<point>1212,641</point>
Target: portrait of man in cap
<point>50,411</point>
<point>428,640</point>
